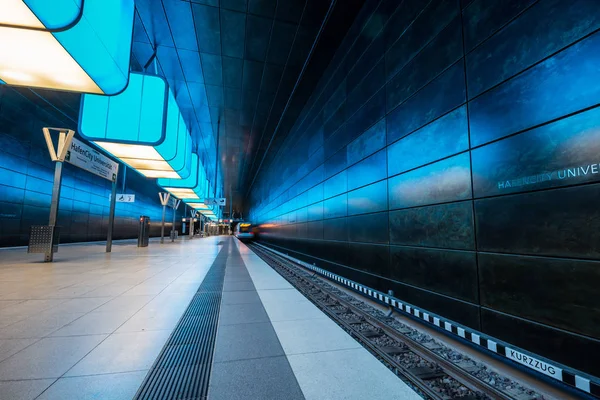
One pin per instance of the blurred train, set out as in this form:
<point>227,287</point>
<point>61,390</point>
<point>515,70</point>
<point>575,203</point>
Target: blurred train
<point>246,231</point>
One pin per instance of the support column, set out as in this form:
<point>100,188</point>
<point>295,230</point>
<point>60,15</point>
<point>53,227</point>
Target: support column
<point>111,215</point>
<point>164,200</point>
<point>65,137</point>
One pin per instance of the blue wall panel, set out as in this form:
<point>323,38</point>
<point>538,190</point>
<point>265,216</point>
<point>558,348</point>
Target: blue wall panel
<point>26,176</point>
<point>464,176</point>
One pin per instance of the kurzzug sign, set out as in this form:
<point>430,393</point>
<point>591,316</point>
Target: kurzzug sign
<point>534,363</point>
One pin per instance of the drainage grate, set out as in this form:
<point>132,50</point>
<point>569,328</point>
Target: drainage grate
<point>182,369</point>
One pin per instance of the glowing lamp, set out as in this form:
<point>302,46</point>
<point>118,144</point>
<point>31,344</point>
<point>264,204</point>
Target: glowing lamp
<point>142,126</point>
<point>207,213</point>
<point>198,206</point>
<point>75,45</point>
<point>188,188</point>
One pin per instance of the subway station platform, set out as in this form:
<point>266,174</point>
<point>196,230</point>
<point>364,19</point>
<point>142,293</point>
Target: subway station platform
<point>91,326</point>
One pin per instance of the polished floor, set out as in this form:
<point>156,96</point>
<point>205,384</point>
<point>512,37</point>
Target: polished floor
<point>90,325</point>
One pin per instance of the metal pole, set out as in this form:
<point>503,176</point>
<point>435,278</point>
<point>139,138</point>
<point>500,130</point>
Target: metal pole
<point>124,176</point>
<point>57,155</point>
<point>173,226</point>
<point>162,228</point>
<point>55,193</point>
<point>111,214</point>
<point>164,200</point>
<point>49,257</point>
<point>217,159</point>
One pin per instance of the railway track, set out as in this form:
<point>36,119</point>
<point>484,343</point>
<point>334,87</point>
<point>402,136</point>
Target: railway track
<point>416,362</point>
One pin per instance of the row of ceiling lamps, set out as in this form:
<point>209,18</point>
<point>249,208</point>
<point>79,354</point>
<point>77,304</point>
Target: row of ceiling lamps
<point>85,46</point>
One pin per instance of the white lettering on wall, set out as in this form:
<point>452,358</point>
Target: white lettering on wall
<point>565,173</point>
<point>534,363</point>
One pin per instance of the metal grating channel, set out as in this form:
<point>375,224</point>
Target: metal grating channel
<point>182,369</point>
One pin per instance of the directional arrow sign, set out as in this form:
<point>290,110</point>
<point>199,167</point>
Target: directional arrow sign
<point>124,198</point>
<point>215,202</point>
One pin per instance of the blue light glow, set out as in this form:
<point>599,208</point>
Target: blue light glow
<point>195,180</point>
<point>101,42</point>
<point>55,14</point>
<point>145,114</point>
<point>75,45</point>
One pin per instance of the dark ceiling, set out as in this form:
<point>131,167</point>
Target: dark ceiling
<point>234,64</point>
<point>241,71</point>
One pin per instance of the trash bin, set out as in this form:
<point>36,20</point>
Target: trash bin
<point>144,233</point>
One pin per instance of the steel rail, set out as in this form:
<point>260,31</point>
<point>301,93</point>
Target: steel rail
<point>302,281</point>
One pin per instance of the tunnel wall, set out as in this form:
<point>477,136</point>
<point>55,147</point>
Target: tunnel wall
<point>26,176</point>
<point>450,153</point>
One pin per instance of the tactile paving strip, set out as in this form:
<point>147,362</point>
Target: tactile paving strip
<point>182,369</point>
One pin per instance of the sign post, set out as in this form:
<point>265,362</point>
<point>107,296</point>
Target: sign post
<point>175,207</point>
<point>85,157</point>
<point>215,201</point>
<point>58,156</point>
<point>111,214</point>
<point>164,200</point>
<point>192,220</point>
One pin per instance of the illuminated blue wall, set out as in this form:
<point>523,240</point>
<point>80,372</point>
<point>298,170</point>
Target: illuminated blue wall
<point>26,174</point>
<point>450,153</point>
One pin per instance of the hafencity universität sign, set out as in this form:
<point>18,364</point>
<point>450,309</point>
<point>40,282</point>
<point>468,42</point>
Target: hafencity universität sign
<point>85,157</point>
<point>565,173</point>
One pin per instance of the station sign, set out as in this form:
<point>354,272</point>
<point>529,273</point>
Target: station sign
<point>215,202</point>
<point>123,198</point>
<point>83,156</point>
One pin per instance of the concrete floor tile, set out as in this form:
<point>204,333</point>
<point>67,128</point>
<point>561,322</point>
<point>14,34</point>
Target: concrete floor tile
<point>264,281</point>
<point>39,326</point>
<point>9,303</point>
<point>265,378</point>
<point>109,290</point>
<point>94,323</point>
<point>245,341</point>
<point>293,311</point>
<point>29,308</point>
<point>238,278</point>
<point>85,301</point>
<point>239,285</point>
<point>122,352</point>
<point>154,320</point>
<point>80,305</point>
<point>312,335</point>
<point>125,303</point>
<point>48,358</point>
<point>106,387</point>
<point>69,292</point>
<point>347,374</point>
<point>182,287</point>
<point>242,314</point>
<point>23,390</point>
<point>145,289</point>
<point>280,296</point>
<point>270,283</point>
<point>241,297</point>
<point>8,347</point>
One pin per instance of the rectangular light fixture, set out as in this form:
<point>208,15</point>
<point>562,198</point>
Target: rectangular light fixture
<point>198,206</point>
<point>74,45</point>
<point>189,188</point>
<point>182,193</point>
<point>142,126</point>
